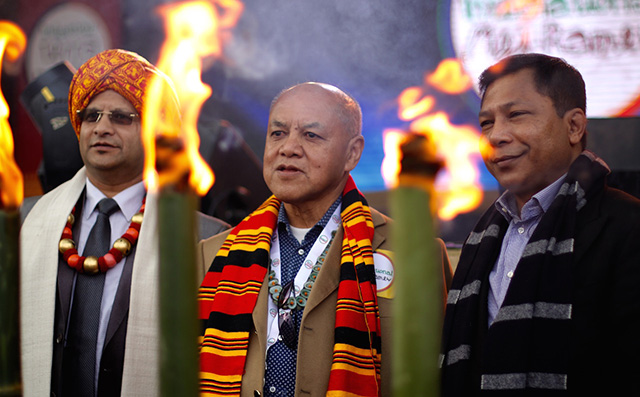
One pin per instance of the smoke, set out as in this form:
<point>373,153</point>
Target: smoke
<point>355,43</point>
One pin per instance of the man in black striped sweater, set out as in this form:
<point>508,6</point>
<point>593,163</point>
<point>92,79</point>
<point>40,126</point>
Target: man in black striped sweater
<point>545,298</point>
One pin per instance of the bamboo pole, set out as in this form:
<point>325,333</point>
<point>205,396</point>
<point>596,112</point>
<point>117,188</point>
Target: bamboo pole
<point>418,306</point>
<point>179,368</point>
<point>10,380</point>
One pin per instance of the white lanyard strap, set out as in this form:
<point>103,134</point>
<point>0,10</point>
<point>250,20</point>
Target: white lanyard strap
<point>303,273</point>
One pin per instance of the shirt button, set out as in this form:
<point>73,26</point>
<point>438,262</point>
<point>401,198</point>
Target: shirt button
<point>520,230</point>
<point>510,274</point>
<point>272,389</point>
<point>300,251</point>
<point>59,338</point>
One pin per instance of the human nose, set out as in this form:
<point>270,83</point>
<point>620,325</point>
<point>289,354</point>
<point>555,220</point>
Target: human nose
<point>291,146</point>
<point>103,124</point>
<point>498,135</point>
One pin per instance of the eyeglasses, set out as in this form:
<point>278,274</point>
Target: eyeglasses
<point>286,323</point>
<point>116,117</point>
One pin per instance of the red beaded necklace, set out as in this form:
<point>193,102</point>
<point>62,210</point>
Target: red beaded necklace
<point>91,264</point>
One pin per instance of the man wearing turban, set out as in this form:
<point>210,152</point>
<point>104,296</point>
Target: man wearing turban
<point>99,296</point>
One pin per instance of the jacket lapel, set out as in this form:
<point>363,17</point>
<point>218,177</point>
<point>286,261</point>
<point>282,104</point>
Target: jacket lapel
<point>65,274</point>
<point>588,227</point>
<point>260,313</point>
<point>121,301</point>
<point>378,238</point>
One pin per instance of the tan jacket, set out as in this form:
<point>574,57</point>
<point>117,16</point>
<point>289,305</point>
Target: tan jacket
<point>316,339</point>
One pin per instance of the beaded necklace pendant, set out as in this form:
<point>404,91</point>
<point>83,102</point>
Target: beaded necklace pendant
<point>91,264</point>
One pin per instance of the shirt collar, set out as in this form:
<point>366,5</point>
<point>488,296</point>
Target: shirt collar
<point>129,200</point>
<point>283,220</point>
<point>537,205</point>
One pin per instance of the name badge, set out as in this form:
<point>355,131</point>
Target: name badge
<point>385,272</point>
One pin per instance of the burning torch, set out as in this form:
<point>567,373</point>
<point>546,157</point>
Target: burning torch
<point>411,163</point>
<point>418,305</point>
<point>12,45</point>
<point>176,171</point>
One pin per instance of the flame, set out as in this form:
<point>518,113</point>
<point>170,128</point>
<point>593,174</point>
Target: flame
<point>195,31</point>
<point>411,105</point>
<point>12,45</point>
<point>450,77</point>
<point>392,139</point>
<point>458,184</point>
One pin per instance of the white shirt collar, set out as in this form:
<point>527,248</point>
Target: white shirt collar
<point>129,200</point>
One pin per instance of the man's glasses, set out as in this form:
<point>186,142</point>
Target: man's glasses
<point>116,117</point>
<point>286,322</point>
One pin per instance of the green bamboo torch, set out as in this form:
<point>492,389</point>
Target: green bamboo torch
<point>418,306</point>
<point>178,282</point>
<point>193,33</point>
<point>10,382</point>
<point>12,46</point>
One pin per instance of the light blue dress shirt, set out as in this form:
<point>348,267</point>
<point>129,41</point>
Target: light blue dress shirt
<point>521,227</point>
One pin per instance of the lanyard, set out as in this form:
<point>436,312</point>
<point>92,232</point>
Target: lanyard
<point>303,273</point>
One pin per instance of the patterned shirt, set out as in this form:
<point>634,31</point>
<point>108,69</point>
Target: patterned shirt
<point>280,369</point>
<point>521,227</point>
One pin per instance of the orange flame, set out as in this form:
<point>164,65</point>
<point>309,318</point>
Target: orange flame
<point>410,104</point>
<point>449,77</point>
<point>194,31</point>
<point>392,139</point>
<point>458,183</point>
<point>12,44</point>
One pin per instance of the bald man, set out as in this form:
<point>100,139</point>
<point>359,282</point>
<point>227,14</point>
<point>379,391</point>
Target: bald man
<point>290,304</point>
<point>89,324</point>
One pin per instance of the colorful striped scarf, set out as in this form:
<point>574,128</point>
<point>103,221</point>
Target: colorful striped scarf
<point>230,290</point>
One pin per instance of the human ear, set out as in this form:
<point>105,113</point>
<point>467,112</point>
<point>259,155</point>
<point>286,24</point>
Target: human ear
<point>356,145</point>
<point>576,121</point>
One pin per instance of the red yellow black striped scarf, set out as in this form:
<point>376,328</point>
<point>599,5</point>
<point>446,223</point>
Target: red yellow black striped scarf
<point>230,290</point>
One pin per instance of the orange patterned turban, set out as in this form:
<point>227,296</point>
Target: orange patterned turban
<point>124,72</point>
